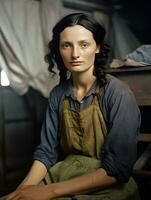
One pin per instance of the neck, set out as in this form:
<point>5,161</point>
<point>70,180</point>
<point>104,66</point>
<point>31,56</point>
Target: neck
<point>81,85</point>
<point>83,82</point>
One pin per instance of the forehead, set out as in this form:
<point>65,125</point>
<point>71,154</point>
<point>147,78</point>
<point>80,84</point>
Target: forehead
<point>77,32</point>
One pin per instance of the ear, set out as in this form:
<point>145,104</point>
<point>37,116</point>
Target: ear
<point>98,49</point>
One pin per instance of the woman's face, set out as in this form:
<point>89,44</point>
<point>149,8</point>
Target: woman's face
<point>77,48</point>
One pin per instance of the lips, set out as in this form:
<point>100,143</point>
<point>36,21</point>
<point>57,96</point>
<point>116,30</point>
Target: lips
<point>76,63</point>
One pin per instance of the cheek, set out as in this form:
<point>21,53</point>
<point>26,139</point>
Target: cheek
<point>64,55</point>
<point>90,55</point>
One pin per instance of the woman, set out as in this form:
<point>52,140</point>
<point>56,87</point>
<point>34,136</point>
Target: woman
<point>89,135</point>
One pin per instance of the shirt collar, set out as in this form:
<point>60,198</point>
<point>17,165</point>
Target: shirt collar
<point>69,89</point>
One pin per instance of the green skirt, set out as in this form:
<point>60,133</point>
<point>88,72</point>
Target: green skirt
<point>77,165</point>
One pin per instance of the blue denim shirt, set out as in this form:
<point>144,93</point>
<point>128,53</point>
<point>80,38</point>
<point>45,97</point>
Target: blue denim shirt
<point>122,118</point>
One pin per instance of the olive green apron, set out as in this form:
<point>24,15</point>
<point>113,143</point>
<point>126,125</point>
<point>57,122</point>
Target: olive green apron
<point>82,134</point>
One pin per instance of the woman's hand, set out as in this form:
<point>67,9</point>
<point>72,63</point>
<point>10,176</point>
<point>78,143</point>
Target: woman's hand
<point>31,192</point>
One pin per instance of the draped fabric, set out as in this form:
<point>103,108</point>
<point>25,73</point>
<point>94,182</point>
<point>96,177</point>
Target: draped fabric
<point>26,27</point>
<point>120,37</point>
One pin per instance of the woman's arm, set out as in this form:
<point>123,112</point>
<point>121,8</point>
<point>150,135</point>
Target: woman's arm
<point>33,178</point>
<point>123,119</point>
<point>79,185</point>
<point>36,174</point>
<point>83,184</point>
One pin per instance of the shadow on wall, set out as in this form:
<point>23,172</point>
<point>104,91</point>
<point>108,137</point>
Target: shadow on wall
<point>20,125</point>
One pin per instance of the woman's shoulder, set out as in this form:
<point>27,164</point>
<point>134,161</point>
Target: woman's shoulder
<point>59,91</point>
<point>116,85</point>
<point>116,90</point>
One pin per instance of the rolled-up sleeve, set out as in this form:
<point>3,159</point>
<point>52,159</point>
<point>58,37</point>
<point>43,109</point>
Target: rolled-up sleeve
<point>120,148</point>
<point>47,151</point>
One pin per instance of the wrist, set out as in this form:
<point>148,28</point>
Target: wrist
<point>51,190</point>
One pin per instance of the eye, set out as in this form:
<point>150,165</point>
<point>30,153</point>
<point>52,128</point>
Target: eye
<point>84,45</point>
<point>65,45</point>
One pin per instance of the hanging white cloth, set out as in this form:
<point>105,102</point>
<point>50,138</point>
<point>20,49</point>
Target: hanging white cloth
<point>26,27</point>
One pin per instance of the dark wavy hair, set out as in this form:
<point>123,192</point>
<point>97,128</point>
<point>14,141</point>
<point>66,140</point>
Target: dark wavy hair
<point>98,32</point>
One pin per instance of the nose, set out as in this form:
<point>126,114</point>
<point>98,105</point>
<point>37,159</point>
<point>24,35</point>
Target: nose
<point>75,53</point>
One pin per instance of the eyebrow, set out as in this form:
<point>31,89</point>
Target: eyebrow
<point>80,41</point>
